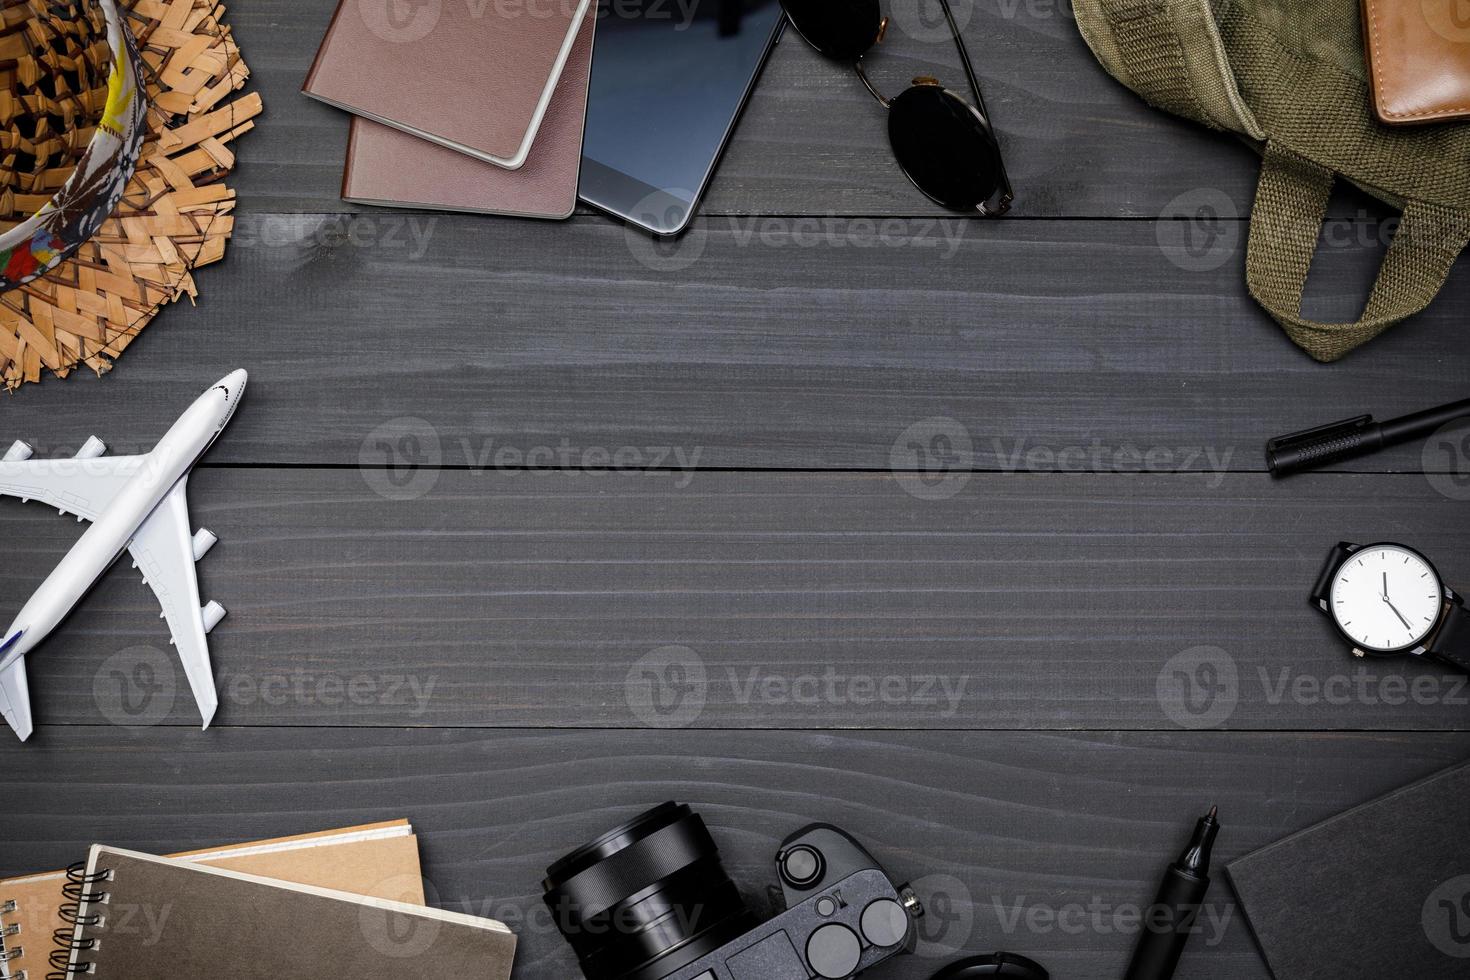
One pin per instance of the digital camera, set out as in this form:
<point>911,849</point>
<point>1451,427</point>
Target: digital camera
<point>651,901</point>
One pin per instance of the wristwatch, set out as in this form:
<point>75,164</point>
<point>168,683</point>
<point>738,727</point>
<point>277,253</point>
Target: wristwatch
<point>1387,600</point>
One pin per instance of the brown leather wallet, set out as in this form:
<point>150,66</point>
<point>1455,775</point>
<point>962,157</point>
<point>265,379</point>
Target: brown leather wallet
<point>1418,59</point>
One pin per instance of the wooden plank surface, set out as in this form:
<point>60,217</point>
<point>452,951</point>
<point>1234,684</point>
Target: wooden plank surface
<point>757,600</point>
<point>766,343</point>
<point>1040,844</point>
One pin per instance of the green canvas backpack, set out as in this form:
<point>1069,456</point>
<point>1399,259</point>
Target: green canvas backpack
<point>1290,76</point>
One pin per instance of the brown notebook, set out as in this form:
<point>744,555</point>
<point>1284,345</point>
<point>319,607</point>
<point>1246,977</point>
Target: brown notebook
<point>476,76</point>
<point>390,168</point>
<point>381,860</point>
<point>1418,59</point>
<point>146,916</point>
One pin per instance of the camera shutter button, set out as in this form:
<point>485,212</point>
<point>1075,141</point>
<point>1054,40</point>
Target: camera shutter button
<point>801,866</point>
<point>834,951</point>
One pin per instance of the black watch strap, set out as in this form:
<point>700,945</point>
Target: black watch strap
<point>1323,589</point>
<point>1452,643</point>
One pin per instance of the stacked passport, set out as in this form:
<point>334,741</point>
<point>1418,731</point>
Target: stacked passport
<point>460,106</point>
<point>339,903</point>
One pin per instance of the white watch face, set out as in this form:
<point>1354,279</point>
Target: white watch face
<point>1386,598</point>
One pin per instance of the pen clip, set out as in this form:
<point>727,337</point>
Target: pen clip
<point>1315,434</point>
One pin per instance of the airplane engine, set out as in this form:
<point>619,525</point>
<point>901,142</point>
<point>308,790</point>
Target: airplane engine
<point>203,541</point>
<point>213,612</point>
<point>93,448</point>
<point>18,452</point>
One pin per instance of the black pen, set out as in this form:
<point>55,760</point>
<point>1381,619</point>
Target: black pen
<point>1351,438</point>
<point>1169,923</point>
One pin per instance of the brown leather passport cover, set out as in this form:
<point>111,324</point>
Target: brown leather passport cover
<point>178,919</point>
<point>1418,59</point>
<point>475,75</point>
<point>394,169</point>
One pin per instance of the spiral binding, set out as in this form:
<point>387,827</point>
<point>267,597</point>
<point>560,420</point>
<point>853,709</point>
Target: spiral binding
<point>7,951</point>
<point>79,895</point>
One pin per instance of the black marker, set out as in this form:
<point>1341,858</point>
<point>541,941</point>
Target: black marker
<point>1168,925</point>
<point>1351,438</point>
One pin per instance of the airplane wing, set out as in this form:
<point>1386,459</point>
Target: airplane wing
<point>164,551</point>
<point>73,486</point>
<point>15,699</point>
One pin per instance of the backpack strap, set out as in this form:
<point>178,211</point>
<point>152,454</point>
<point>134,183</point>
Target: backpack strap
<point>1286,223</point>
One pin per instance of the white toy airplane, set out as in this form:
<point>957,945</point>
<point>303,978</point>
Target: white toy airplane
<point>136,504</point>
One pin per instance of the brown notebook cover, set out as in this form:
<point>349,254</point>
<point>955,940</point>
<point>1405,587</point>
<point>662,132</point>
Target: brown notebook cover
<point>390,168</point>
<point>1418,59</point>
<point>193,920</point>
<point>381,860</point>
<point>475,76</point>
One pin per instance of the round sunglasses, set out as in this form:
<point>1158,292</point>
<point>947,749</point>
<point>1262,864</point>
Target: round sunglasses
<point>944,144</point>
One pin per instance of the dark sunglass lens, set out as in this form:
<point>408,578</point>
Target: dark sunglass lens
<point>843,29</point>
<point>944,147</point>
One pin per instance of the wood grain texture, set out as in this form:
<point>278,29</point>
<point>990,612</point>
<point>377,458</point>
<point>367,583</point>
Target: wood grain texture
<point>757,601</point>
<point>813,142</point>
<point>768,343</point>
<point>1023,841</point>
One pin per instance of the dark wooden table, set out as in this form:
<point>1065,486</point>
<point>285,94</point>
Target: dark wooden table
<point>956,533</point>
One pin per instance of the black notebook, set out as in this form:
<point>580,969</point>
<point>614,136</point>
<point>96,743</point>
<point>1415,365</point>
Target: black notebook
<point>145,918</point>
<point>1382,891</point>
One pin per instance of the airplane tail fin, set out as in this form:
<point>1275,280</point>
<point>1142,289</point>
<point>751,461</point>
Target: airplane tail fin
<point>15,695</point>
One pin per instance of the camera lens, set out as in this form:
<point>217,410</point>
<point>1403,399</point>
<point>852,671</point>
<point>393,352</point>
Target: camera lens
<point>647,898</point>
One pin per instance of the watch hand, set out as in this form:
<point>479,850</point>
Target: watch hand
<point>1385,585</point>
<point>1398,614</point>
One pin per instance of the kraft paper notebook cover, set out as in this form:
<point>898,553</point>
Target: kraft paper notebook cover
<point>390,168</point>
<point>473,75</point>
<point>377,859</point>
<point>226,923</point>
<point>1379,891</point>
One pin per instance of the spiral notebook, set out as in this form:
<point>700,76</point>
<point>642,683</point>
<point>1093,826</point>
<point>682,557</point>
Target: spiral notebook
<point>379,859</point>
<point>140,917</point>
